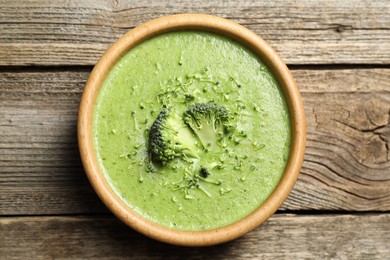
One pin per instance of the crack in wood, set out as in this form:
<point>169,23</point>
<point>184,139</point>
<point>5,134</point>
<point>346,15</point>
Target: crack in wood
<point>377,130</point>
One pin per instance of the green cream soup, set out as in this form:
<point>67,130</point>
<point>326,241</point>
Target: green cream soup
<point>178,70</point>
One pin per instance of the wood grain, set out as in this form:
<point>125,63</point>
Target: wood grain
<point>346,164</point>
<point>303,31</point>
<point>283,236</point>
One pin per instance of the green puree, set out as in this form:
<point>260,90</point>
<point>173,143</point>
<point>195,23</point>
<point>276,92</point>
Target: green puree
<point>180,69</point>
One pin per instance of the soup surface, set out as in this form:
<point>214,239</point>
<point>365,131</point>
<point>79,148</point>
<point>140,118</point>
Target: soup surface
<point>175,71</point>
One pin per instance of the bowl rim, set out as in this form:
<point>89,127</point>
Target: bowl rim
<point>266,54</point>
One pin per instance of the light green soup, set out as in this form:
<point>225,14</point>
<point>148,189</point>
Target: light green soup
<point>179,69</point>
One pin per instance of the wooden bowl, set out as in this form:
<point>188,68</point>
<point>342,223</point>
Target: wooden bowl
<point>279,70</point>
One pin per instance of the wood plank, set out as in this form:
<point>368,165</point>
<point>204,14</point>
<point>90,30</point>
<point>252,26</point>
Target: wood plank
<point>283,236</point>
<point>346,165</point>
<point>347,162</point>
<point>303,31</point>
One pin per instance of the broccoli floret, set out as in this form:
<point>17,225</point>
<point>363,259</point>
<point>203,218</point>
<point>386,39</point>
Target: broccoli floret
<point>210,122</point>
<point>170,138</point>
<point>200,130</point>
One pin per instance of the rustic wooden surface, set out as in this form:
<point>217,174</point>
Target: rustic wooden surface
<point>339,53</point>
<point>284,236</point>
<point>304,31</point>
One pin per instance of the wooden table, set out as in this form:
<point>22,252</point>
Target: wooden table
<point>339,53</point>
